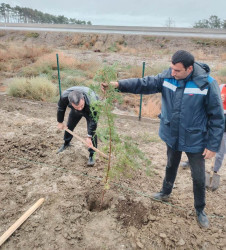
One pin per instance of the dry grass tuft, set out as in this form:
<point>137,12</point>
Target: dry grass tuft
<point>21,52</point>
<point>38,88</point>
<point>14,57</point>
<point>83,41</point>
<point>66,62</point>
<point>50,59</point>
<point>220,74</point>
<point>223,57</point>
<point>127,50</point>
<point>152,108</point>
<point>134,71</point>
<point>200,55</point>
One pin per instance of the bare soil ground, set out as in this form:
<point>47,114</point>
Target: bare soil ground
<point>69,217</point>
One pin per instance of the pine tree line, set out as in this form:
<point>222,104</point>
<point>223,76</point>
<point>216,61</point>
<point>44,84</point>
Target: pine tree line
<point>18,14</point>
<point>214,22</point>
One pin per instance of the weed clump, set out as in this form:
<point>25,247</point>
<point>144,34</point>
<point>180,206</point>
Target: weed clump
<point>32,35</point>
<point>37,88</point>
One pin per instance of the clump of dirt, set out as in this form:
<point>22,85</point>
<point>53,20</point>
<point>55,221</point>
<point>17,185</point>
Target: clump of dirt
<point>132,213</point>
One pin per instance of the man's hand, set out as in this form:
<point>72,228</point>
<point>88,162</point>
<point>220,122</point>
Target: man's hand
<point>223,97</point>
<point>89,142</point>
<point>104,85</point>
<point>208,154</point>
<point>61,126</point>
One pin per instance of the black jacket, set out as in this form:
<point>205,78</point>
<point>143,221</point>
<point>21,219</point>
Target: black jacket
<point>89,97</point>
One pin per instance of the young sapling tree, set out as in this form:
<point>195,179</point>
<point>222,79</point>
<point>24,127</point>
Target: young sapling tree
<point>123,153</point>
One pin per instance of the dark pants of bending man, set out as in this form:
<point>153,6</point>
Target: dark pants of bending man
<point>197,164</point>
<point>73,120</point>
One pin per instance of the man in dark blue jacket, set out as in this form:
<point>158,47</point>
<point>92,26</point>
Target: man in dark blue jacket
<point>192,120</point>
<point>79,99</point>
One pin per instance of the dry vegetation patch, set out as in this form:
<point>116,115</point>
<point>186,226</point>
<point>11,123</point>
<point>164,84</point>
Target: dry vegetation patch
<point>37,88</point>
<point>26,54</point>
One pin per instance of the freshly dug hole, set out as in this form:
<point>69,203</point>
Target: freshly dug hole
<point>94,203</point>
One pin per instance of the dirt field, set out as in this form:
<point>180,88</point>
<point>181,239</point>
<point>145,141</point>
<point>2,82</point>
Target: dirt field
<point>31,169</point>
<point>69,218</point>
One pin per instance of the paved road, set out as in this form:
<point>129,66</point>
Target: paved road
<point>136,30</point>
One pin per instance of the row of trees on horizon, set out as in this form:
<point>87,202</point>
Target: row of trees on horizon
<point>214,22</point>
<point>18,14</point>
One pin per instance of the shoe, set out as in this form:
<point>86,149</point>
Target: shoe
<point>63,147</point>
<point>160,196</point>
<point>185,164</point>
<point>202,219</point>
<point>91,161</point>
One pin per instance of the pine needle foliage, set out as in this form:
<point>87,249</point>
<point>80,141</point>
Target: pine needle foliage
<point>123,154</point>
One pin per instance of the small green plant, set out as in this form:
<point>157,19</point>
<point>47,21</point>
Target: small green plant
<point>32,34</point>
<point>113,47</point>
<point>123,153</point>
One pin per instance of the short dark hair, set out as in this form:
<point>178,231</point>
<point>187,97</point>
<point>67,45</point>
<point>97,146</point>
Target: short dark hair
<point>75,97</point>
<point>184,57</point>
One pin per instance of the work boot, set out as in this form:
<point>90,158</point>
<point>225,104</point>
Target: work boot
<point>208,179</point>
<point>63,147</point>
<point>160,196</point>
<point>215,182</point>
<point>185,164</point>
<point>91,161</point>
<point>202,219</point>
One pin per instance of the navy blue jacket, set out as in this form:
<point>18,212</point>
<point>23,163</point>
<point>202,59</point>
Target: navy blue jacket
<point>192,116</point>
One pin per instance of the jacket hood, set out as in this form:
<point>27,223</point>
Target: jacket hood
<point>200,74</point>
<point>200,69</point>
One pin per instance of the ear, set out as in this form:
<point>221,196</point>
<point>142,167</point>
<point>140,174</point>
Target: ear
<point>190,69</point>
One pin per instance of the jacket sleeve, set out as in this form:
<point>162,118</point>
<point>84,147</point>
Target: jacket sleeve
<point>216,117</point>
<point>146,85</point>
<point>62,106</point>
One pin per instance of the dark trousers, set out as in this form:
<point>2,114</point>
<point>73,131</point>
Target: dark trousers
<point>73,120</point>
<point>197,164</point>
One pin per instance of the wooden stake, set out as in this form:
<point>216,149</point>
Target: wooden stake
<point>20,221</point>
<point>83,141</point>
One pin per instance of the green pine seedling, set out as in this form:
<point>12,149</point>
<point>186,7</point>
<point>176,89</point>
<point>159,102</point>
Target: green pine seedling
<point>123,153</point>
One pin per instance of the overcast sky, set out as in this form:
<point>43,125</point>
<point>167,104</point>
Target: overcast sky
<point>183,13</point>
